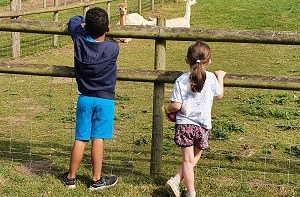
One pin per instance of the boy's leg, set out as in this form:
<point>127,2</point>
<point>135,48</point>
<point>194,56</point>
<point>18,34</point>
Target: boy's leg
<point>76,157</point>
<point>97,158</point>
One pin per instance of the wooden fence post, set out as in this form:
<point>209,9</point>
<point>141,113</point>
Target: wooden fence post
<point>85,8</point>
<point>108,10</point>
<point>140,6</point>
<point>152,4</point>
<point>158,102</point>
<point>15,5</point>
<point>55,19</point>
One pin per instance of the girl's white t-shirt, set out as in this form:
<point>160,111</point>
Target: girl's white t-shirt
<point>196,106</point>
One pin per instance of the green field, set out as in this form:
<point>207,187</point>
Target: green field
<point>255,141</point>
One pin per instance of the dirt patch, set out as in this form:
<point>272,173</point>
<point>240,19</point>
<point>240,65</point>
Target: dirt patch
<point>248,152</point>
<point>23,170</point>
<point>227,181</point>
<point>30,168</point>
<point>15,120</point>
<point>62,80</point>
<point>255,183</point>
<point>2,181</point>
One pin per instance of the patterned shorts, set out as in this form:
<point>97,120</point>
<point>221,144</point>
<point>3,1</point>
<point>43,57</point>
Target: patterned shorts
<point>191,135</point>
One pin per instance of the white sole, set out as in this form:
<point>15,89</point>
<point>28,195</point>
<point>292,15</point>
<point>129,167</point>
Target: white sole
<point>103,187</point>
<point>171,189</point>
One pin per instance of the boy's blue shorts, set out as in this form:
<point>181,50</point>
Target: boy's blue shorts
<point>94,118</point>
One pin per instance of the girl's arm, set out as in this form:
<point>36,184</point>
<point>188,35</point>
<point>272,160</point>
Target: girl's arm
<point>220,77</point>
<point>174,106</point>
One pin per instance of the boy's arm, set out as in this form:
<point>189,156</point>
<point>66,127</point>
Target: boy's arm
<point>75,24</point>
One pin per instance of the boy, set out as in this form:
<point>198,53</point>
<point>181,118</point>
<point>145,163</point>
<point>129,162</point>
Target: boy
<point>96,73</point>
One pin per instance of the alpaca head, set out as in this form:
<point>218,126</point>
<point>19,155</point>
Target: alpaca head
<point>123,9</point>
<point>191,2</point>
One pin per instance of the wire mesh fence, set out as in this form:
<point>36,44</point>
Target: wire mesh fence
<point>261,150</point>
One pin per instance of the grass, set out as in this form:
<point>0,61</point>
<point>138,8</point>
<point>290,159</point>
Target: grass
<point>254,146</point>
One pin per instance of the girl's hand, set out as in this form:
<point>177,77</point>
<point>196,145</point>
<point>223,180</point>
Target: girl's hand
<point>171,116</point>
<point>220,74</point>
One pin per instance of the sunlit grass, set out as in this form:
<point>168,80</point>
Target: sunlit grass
<point>254,149</point>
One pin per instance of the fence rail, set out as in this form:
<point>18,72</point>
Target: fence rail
<point>154,76</point>
<point>162,33</point>
<point>18,13</point>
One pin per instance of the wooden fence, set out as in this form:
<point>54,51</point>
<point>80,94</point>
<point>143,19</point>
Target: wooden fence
<point>158,76</point>
<point>16,12</point>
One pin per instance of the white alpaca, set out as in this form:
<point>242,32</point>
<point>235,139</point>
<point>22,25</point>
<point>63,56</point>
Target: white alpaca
<point>133,18</point>
<point>130,19</point>
<point>182,21</point>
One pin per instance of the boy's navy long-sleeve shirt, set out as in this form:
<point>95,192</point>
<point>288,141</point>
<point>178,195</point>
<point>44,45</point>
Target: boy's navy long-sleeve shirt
<point>94,62</point>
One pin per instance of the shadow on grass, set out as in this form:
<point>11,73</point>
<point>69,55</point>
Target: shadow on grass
<point>35,156</point>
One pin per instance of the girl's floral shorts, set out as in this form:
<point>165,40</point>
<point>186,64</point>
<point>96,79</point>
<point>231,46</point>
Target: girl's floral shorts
<point>191,135</point>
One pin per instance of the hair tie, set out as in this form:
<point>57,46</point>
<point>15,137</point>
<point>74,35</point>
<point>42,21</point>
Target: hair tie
<point>198,61</point>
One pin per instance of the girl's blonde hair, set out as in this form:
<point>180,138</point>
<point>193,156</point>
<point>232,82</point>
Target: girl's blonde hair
<point>198,57</point>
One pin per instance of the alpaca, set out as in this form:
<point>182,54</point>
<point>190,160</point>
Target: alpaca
<point>133,18</point>
<point>130,19</point>
<point>182,21</point>
<point>122,22</point>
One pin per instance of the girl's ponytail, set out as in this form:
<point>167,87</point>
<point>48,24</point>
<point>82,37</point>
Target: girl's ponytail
<point>198,57</point>
<point>197,77</point>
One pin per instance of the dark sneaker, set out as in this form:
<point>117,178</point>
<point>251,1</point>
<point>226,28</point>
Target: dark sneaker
<point>69,183</point>
<point>104,182</point>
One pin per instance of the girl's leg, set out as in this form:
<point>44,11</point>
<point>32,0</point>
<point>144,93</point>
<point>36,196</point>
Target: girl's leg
<point>97,158</point>
<point>188,167</point>
<point>197,155</point>
<point>76,157</point>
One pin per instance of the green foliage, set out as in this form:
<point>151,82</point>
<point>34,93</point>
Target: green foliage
<point>4,2</point>
<point>294,150</point>
<point>281,99</point>
<point>261,106</point>
<point>271,147</point>
<point>69,117</point>
<point>141,141</point>
<point>222,129</point>
<point>121,98</point>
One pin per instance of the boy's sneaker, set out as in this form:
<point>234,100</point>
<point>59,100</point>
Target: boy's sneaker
<point>69,183</point>
<point>104,182</point>
<point>173,187</point>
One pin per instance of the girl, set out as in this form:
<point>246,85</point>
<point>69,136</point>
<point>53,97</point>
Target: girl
<point>191,101</point>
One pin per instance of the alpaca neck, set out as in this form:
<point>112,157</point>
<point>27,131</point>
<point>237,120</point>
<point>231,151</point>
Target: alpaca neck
<point>122,19</point>
<point>187,14</point>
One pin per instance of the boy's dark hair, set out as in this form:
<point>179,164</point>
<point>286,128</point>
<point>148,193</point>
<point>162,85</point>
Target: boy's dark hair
<point>96,22</point>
